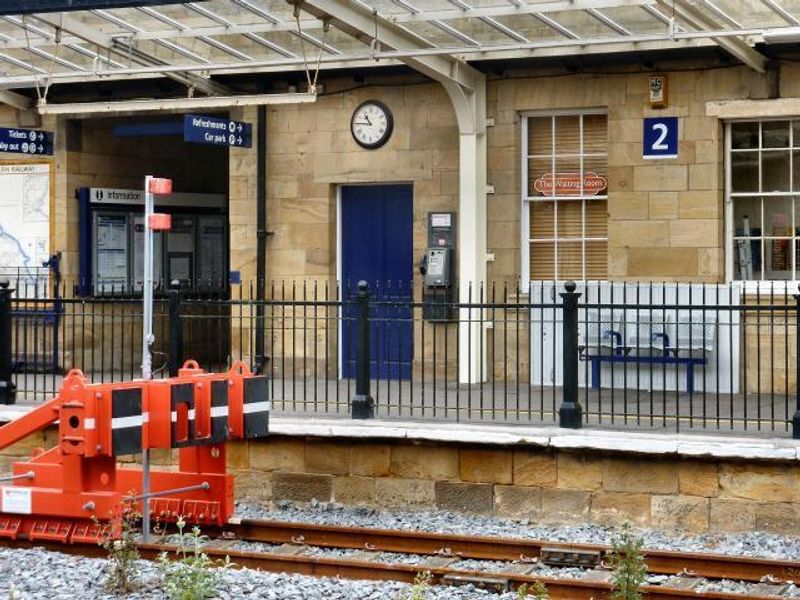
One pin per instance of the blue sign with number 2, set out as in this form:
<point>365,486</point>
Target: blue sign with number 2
<point>660,137</point>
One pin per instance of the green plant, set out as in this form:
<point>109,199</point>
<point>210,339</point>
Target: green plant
<point>537,590</point>
<point>627,562</point>
<point>419,589</point>
<point>119,539</point>
<point>191,575</point>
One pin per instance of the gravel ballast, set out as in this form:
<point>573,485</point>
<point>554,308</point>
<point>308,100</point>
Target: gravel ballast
<point>36,574</point>
<point>764,545</point>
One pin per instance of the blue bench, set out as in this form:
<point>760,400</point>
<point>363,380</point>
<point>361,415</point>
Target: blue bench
<point>646,340</point>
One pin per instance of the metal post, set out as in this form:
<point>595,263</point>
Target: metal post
<point>363,406</point>
<point>261,234</point>
<point>175,328</point>
<point>570,411</point>
<point>147,340</point>
<point>796,417</point>
<point>8,390</point>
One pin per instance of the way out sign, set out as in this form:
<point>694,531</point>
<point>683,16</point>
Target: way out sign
<point>216,131</point>
<point>660,137</point>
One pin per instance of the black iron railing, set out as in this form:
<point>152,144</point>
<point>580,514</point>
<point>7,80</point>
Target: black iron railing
<point>676,357</point>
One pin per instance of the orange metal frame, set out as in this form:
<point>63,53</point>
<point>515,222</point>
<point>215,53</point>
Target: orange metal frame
<point>67,492</point>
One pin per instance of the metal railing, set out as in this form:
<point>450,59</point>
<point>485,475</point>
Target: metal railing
<point>676,357</point>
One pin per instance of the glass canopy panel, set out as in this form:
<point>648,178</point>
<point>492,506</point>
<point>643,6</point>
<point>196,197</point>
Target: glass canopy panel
<point>581,23</point>
<point>531,27</point>
<point>754,13</point>
<point>636,20</point>
<point>481,31</point>
<point>433,5</point>
<point>168,32</point>
<point>433,34</point>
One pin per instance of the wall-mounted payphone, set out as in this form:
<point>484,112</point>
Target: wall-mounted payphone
<point>438,267</point>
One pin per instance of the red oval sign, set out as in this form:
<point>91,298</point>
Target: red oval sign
<point>569,184</point>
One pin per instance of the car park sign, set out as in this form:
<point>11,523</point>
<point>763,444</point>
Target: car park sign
<point>216,131</point>
<point>26,141</point>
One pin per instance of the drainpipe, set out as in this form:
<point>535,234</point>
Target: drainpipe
<point>261,232</point>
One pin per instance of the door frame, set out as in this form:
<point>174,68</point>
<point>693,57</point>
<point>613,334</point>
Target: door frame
<point>339,187</point>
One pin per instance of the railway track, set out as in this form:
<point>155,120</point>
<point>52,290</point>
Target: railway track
<point>699,564</point>
<point>441,553</point>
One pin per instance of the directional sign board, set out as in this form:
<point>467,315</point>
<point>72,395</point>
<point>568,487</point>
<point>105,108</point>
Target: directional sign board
<point>26,141</point>
<point>22,7</point>
<point>660,137</point>
<point>201,129</point>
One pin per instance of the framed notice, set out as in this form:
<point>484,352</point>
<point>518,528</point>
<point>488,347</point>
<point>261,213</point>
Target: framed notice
<point>25,205</point>
<point>111,252</point>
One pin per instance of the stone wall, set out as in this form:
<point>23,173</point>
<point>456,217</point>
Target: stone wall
<point>544,486</point>
<point>665,219</point>
<point>525,482</point>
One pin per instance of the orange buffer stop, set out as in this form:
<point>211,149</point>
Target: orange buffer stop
<point>66,493</point>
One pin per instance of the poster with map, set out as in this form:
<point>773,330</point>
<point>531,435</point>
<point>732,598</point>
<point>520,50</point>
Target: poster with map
<point>24,218</point>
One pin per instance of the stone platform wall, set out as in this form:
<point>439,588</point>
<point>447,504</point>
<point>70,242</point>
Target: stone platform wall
<point>545,486</point>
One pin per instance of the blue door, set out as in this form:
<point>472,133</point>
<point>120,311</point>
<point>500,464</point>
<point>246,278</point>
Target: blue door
<point>377,247</point>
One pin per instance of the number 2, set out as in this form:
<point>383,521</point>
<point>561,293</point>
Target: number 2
<point>659,143</point>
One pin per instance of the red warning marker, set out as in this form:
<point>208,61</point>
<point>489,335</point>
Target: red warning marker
<point>160,186</point>
<point>160,221</point>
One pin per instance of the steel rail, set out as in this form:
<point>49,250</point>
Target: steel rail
<point>558,588</point>
<point>668,562</point>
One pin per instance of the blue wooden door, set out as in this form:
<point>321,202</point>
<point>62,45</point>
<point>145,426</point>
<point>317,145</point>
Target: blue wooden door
<point>377,247</point>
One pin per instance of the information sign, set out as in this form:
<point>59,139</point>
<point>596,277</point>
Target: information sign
<point>26,141</point>
<point>202,129</point>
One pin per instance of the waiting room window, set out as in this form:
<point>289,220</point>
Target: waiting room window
<point>565,201</point>
<point>763,192</point>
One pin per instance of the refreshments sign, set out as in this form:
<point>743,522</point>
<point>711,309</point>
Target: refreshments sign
<point>570,184</point>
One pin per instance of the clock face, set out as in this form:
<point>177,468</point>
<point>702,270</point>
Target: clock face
<point>372,124</point>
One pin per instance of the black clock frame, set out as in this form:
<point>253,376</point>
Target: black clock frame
<point>389,125</point>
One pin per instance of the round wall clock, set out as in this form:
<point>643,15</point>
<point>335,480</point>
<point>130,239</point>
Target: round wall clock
<point>372,124</point>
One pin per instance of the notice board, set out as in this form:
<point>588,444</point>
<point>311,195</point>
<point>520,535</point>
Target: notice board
<point>25,198</point>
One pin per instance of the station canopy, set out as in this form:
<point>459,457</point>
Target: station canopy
<point>195,42</point>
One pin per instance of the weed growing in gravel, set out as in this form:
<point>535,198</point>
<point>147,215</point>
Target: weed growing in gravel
<point>537,590</point>
<point>627,561</point>
<point>419,590</point>
<point>123,570</point>
<point>192,575</point>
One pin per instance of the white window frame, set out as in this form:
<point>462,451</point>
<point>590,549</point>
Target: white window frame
<point>525,199</point>
<point>730,226</point>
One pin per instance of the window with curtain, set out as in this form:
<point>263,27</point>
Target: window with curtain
<point>565,196</point>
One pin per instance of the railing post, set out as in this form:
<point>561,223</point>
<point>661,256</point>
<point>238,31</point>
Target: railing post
<point>570,412</point>
<point>796,417</point>
<point>8,391</point>
<point>175,328</point>
<point>363,406</point>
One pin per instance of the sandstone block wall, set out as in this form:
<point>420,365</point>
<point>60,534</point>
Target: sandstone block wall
<point>545,486</point>
<point>542,485</point>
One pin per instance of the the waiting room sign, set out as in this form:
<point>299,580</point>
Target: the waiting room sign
<point>570,184</point>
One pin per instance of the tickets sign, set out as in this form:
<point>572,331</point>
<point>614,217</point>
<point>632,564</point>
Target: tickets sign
<point>570,184</point>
